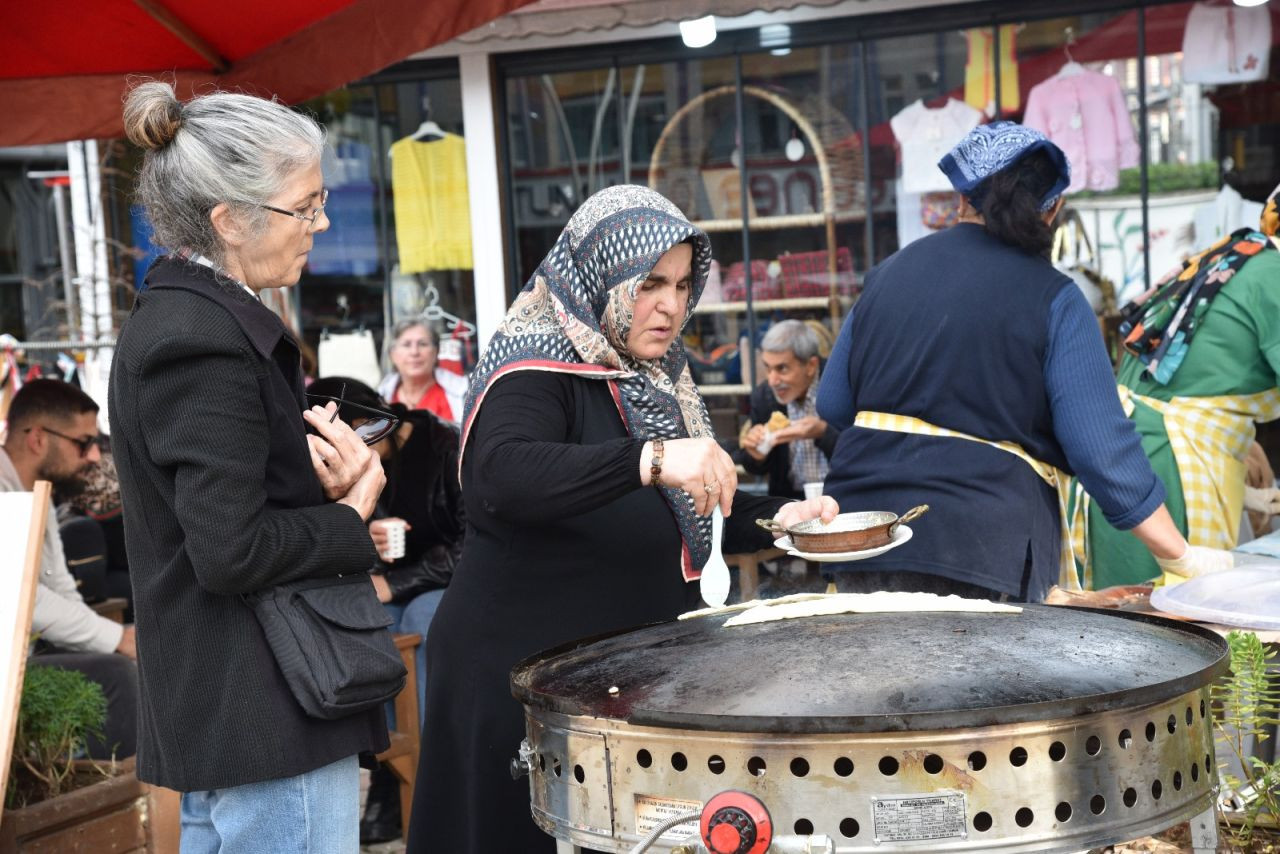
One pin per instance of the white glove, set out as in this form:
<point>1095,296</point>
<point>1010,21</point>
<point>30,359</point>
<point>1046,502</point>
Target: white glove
<point>1262,500</point>
<point>1198,560</point>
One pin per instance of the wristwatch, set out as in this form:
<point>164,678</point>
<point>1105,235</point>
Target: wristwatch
<point>655,463</point>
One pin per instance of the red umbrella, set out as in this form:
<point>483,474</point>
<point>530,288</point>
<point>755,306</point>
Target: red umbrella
<point>63,64</point>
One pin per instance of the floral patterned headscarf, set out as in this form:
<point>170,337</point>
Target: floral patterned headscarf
<point>574,314</point>
<point>1159,326</point>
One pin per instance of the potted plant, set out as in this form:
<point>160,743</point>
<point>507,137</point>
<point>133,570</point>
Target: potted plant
<point>1248,704</point>
<point>53,801</point>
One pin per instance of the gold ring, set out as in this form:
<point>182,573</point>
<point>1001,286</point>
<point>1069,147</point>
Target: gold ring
<point>713,486</point>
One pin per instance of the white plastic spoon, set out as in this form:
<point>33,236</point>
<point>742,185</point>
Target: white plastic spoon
<point>714,582</point>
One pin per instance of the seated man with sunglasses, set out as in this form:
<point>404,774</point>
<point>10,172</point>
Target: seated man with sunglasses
<point>53,436</point>
<point>419,453</point>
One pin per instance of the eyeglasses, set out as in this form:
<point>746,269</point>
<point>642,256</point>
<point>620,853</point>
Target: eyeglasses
<point>83,445</point>
<point>377,428</point>
<point>309,219</point>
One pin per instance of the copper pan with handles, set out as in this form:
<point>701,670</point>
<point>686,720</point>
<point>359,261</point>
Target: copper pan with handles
<point>848,532</point>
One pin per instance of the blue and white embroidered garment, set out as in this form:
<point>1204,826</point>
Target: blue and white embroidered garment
<point>994,147</point>
<point>573,317</point>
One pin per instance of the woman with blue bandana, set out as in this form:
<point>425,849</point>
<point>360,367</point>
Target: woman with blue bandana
<point>972,377</point>
<point>589,473</point>
<point>1202,357</point>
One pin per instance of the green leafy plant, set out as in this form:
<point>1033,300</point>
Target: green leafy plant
<point>1248,702</point>
<point>1163,178</point>
<point>58,711</point>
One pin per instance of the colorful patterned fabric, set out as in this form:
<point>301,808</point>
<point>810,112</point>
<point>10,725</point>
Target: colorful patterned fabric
<point>1056,478</point>
<point>1159,325</point>
<point>573,317</point>
<point>994,147</point>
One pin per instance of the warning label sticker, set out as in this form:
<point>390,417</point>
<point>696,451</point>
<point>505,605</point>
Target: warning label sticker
<point>652,811</point>
<point>937,815</point>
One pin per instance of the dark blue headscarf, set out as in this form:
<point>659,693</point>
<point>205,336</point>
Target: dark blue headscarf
<point>994,147</point>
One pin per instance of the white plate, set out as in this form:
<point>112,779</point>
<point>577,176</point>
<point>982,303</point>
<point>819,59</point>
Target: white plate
<point>900,536</point>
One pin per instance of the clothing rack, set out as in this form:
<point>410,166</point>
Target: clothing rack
<point>433,311</point>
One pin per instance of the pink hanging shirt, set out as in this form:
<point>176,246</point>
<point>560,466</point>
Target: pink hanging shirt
<point>1084,113</point>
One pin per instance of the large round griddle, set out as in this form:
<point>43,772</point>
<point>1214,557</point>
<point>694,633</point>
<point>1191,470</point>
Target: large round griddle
<point>860,673</point>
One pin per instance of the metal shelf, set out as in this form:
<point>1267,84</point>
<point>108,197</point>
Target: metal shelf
<point>780,221</point>
<point>739,306</point>
<point>724,389</point>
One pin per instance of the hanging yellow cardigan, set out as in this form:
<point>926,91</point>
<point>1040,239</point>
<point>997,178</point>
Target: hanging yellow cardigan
<point>433,214</point>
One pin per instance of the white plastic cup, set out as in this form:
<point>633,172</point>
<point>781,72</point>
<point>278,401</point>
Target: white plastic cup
<point>766,444</point>
<point>813,489</point>
<point>394,529</point>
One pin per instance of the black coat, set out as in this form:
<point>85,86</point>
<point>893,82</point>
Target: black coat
<point>777,463</point>
<point>563,542</point>
<point>219,500</point>
<point>423,489</point>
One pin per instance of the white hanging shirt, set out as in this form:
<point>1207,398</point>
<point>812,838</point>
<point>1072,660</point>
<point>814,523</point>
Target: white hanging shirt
<point>1226,44</point>
<point>925,136</point>
<point>1223,215</point>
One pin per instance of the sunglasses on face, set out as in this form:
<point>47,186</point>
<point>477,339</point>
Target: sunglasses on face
<point>82,445</point>
<point>374,430</point>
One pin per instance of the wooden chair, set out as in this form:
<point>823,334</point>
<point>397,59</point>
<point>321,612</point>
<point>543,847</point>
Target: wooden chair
<point>749,570</point>
<point>111,608</point>
<point>402,755</point>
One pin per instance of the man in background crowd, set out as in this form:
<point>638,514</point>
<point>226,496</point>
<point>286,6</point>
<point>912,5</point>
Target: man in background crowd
<point>53,436</point>
<point>786,439</point>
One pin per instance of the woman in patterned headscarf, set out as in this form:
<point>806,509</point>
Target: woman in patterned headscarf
<point>1202,355</point>
<point>582,401</point>
<point>972,377</point>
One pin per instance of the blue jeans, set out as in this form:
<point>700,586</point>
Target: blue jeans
<point>313,813</point>
<point>415,618</point>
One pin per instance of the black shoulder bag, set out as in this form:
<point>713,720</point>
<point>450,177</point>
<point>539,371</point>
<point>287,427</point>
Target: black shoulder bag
<point>330,639</point>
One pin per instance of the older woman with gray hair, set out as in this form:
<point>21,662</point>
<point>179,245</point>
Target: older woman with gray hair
<point>225,493</point>
<point>418,381</point>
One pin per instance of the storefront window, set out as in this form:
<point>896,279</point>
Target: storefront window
<point>431,260</point>
<point>922,102</point>
<point>1212,125</point>
<point>1077,82</point>
<point>564,138</point>
<point>422,258</point>
<point>806,183</point>
<point>343,284</point>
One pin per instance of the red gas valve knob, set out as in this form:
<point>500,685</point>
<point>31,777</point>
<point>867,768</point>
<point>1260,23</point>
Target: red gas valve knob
<point>736,822</point>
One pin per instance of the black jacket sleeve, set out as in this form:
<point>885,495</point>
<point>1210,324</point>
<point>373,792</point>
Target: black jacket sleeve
<point>212,438</point>
<point>741,533</point>
<point>527,467</point>
<point>434,569</point>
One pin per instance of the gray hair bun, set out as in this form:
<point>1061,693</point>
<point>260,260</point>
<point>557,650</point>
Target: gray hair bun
<point>152,115</point>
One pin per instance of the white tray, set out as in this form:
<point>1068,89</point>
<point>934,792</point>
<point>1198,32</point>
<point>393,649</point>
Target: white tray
<point>900,536</point>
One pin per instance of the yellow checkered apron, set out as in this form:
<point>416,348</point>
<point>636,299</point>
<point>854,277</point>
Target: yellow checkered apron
<point>1057,479</point>
<point>1209,437</point>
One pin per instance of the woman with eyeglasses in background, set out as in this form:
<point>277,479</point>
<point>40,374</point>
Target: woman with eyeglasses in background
<point>225,492</point>
<point>418,381</point>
